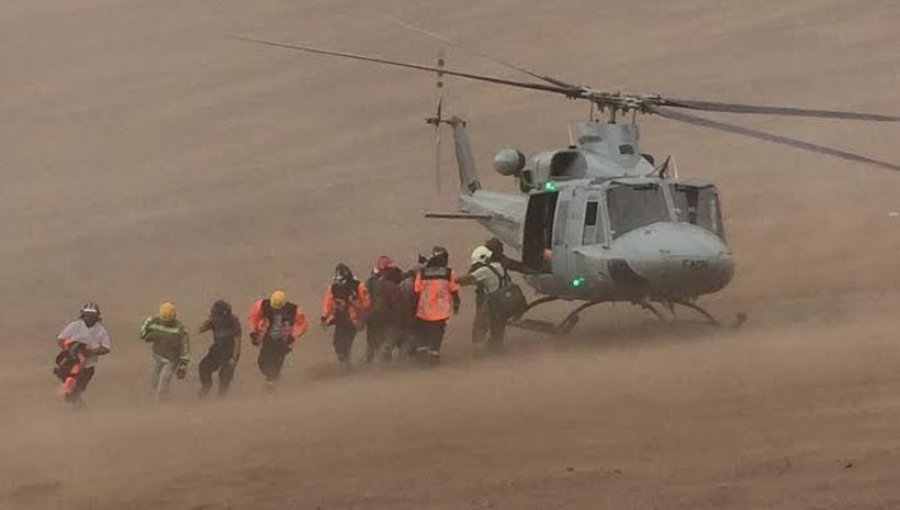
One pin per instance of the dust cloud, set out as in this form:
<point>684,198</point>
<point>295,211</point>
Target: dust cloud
<point>147,157</point>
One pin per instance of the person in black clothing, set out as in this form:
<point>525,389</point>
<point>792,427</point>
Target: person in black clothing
<point>344,306</point>
<point>383,326</point>
<point>225,350</point>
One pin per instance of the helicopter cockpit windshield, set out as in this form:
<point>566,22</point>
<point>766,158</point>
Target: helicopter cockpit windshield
<point>698,205</point>
<point>632,206</point>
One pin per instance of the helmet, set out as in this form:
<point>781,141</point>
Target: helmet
<point>220,309</point>
<point>166,311</point>
<point>495,245</point>
<point>481,255</point>
<point>381,263</point>
<point>90,308</point>
<point>278,299</point>
<point>342,274</point>
<point>439,256</point>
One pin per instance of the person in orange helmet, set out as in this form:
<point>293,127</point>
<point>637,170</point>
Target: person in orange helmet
<point>275,324</point>
<point>437,298</point>
<point>344,306</point>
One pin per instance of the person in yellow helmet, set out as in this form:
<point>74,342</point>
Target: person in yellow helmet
<point>275,324</point>
<point>171,348</point>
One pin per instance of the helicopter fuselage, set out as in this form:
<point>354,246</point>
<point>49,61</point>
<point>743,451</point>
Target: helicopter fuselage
<point>599,223</point>
<point>620,239</point>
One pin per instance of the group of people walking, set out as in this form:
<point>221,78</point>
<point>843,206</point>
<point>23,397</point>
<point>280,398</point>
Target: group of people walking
<point>404,313</point>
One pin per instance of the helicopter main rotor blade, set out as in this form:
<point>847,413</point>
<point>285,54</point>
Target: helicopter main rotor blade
<point>453,42</point>
<point>769,137</point>
<point>714,106</point>
<point>407,65</point>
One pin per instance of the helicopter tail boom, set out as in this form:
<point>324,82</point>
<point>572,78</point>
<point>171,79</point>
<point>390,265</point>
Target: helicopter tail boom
<point>465,161</point>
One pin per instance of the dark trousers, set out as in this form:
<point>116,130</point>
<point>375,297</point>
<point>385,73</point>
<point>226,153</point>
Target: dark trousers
<point>344,334</point>
<point>430,335</point>
<point>216,359</point>
<point>488,330</point>
<point>81,384</point>
<point>381,338</point>
<point>271,358</point>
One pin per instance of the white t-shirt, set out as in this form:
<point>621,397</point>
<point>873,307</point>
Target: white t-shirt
<point>93,337</point>
<point>487,279</point>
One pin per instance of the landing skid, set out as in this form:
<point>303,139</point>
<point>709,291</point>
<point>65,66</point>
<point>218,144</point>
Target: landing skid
<point>568,323</point>
<point>739,319</point>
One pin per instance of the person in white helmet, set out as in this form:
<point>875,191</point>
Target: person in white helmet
<point>489,276</point>
<point>82,342</point>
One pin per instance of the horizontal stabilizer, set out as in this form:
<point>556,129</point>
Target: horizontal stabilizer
<point>458,216</point>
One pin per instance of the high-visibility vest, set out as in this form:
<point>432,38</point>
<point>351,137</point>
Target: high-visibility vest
<point>435,287</point>
<point>356,305</point>
<point>293,321</point>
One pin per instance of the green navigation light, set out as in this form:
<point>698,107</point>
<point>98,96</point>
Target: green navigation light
<point>578,282</point>
<point>549,186</point>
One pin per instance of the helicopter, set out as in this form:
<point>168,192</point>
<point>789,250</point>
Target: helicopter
<point>598,221</point>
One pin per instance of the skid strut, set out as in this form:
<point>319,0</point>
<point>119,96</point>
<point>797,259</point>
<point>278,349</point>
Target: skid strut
<point>739,319</point>
<point>559,328</point>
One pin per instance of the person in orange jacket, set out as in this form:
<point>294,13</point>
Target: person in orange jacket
<point>437,298</point>
<point>275,324</point>
<point>344,306</point>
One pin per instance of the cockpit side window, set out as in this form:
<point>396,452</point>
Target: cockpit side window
<point>698,205</point>
<point>633,206</point>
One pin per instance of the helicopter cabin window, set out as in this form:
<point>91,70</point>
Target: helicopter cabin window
<point>591,220</point>
<point>562,216</point>
<point>626,149</point>
<point>698,205</point>
<point>634,206</point>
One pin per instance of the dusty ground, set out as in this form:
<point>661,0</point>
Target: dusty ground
<point>147,157</point>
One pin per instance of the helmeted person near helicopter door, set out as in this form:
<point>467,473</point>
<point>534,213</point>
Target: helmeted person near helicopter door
<point>82,342</point>
<point>489,326</point>
<point>344,306</point>
<point>437,298</point>
<point>225,350</point>
<point>275,324</point>
<point>171,349</point>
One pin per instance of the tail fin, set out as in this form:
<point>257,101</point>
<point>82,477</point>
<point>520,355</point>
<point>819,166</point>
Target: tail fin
<point>468,175</point>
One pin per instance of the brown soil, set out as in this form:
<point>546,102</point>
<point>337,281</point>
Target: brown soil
<point>147,156</point>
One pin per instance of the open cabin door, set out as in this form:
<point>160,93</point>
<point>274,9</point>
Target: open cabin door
<point>538,237</point>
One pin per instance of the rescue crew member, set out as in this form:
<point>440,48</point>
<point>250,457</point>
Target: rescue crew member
<point>225,350</point>
<point>489,276</point>
<point>409,301</point>
<point>437,297</point>
<point>83,342</point>
<point>383,327</point>
<point>171,350</point>
<point>344,306</point>
<point>496,246</point>
<point>275,324</point>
